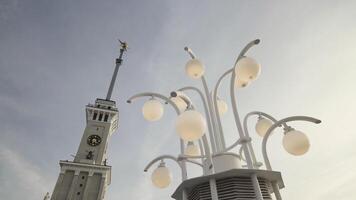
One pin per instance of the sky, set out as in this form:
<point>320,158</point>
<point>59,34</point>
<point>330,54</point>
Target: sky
<point>58,56</point>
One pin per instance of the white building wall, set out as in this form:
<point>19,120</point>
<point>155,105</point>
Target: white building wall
<point>87,178</point>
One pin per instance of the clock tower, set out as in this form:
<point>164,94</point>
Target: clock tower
<point>88,175</point>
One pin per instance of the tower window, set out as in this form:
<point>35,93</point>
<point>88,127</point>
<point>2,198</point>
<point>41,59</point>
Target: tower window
<point>106,117</point>
<point>95,115</point>
<point>83,177</point>
<point>78,193</point>
<point>80,185</point>
<point>100,116</point>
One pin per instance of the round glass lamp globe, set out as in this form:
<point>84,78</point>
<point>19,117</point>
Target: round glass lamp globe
<point>152,110</point>
<point>194,68</point>
<point>180,103</point>
<point>191,149</point>
<point>190,125</point>
<point>241,83</point>
<point>222,106</point>
<point>296,142</point>
<point>247,69</point>
<point>161,177</point>
<point>262,126</point>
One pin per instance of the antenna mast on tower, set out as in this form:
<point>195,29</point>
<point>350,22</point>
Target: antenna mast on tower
<point>124,47</point>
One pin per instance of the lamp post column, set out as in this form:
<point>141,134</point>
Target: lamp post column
<point>242,135</point>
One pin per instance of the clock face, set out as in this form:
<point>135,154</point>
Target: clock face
<point>94,140</point>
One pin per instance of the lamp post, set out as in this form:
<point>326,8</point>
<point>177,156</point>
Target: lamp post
<point>220,165</point>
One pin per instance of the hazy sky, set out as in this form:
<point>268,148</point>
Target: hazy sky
<point>57,56</point>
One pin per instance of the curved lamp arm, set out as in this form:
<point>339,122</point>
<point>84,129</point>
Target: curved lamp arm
<point>233,100</point>
<point>206,110</point>
<point>215,93</point>
<point>160,158</point>
<point>254,160</point>
<point>277,124</point>
<point>204,138</point>
<point>184,175</point>
<point>181,165</point>
<point>152,94</point>
<point>259,113</point>
<point>216,139</point>
<point>246,48</point>
<point>164,98</point>
<point>215,102</point>
<point>190,52</point>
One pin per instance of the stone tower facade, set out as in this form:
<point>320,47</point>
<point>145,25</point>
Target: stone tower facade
<point>88,175</point>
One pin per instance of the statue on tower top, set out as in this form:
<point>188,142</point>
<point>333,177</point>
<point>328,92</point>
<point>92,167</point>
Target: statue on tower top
<point>123,45</point>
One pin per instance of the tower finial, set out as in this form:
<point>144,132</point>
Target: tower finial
<point>123,45</point>
<point>124,48</point>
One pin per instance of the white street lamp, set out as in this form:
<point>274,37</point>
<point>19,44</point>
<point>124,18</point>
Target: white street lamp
<point>152,110</point>
<point>190,125</point>
<point>161,177</point>
<point>241,83</point>
<point>262,126</point>
<point>180,103</point>
<point>191,149</point>
<point>194,68</point>
<point>294,137</point>
<point>181,160</point>
<point>295,142</point>
<point>222,107</point>
<point>247,69</point>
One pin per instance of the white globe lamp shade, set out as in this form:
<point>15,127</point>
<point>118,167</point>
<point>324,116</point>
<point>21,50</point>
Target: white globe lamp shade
<point>296,142</point>
<point>190,125</point>
<point>191,149</point>
<point>152,110</point>
<point>161,177</point>
<point>180,103</point>
<point>194,68</point>
<point>262,126</point>
<point>241,83</point>
<point>222,106</point>
<point>247,69</point>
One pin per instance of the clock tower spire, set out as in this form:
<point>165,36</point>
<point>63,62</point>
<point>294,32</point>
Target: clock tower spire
<point>124,47</point>
<point>88,175</point>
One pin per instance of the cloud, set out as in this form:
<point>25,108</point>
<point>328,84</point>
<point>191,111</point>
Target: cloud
<point>17,171</point>
<point>340,186</point>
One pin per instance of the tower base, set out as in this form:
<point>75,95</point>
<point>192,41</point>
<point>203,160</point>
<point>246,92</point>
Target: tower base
<point>81,181</point>
<point>231,184</point>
